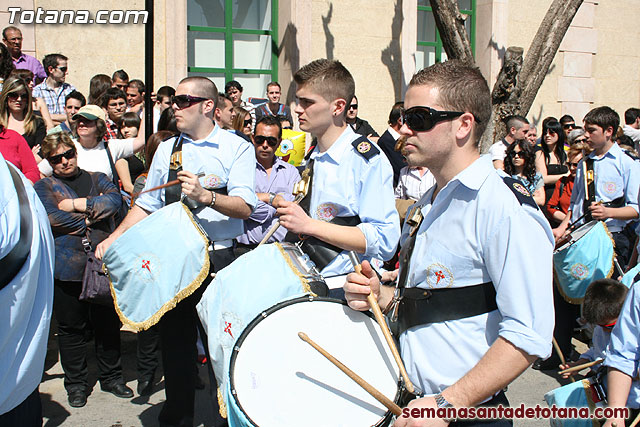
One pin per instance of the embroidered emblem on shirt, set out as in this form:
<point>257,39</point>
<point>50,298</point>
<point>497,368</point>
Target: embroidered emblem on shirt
<point>211,181</point>
<point>439,276</point>
<point>579,271</point>
<point>364,147</point>
<point>610,187</point>
<point>326,211</point>
<point>521,189</point>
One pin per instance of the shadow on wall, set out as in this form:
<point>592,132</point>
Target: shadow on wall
<point>289,48</point>
<point>329,39</point>
<point>391,56</point>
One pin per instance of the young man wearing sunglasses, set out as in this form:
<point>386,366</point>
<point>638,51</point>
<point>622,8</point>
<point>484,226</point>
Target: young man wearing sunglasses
<point>474,248</point>
<point>275,179</point>
<point>54,89</point>
<point>226,162</point>
<point>350,206</point>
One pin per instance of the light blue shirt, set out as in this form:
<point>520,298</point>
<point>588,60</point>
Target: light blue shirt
<point>226,161</point>
<point>476,231</point>
<point>26,302</point>
<point>624,347</point>
<point>616,175</point>
<point>346,184</point>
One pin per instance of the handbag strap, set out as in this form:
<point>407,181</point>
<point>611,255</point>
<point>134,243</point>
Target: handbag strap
<point>114,173</point>
<point>11,264</point>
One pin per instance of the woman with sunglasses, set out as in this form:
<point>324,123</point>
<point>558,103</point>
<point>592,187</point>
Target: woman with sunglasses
<point>80,203</point>
<point>16,112</point>
<point>242,123</point>
<point>90,129</point>
<point>39,107</point>
<point>519,162</point>
<point>558,204</point>
<point>555,158</point>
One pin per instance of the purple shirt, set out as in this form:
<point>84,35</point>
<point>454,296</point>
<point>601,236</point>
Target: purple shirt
<point>28,62</point>
<point>281,181</point>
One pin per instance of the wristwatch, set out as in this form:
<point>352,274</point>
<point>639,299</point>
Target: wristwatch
<point>271,197</point>
<point>441,402</point>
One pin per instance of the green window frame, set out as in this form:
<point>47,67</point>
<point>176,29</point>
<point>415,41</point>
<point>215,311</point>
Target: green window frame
<point>437,44</point>
<point>229,32</point>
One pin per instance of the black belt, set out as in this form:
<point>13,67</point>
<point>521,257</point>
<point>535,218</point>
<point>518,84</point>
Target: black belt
<point>422,306</point>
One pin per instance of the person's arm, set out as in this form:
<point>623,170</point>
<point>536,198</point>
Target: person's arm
<point>498,164</point>
<point>58,118</point>
<point>554,203</point>
<point>618,386</point>
<point>135,215</point>
<point>599,211</point>
<point>62,221</point>
<point>231,206</point>
<point>541,166</point>
<point>539,196</point>
<point>122,168</point>
<point>44,111</point>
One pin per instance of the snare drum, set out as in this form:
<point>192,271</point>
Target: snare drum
<point>151,270</point>
<point>588,256</point>
<point>278,380</point>
<point>252,283</point>
<point>588,393</point>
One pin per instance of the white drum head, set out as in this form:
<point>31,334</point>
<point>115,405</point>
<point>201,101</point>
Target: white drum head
<point>578,234</point>
<point>279,380</point>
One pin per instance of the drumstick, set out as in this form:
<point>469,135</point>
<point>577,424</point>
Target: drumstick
<point>362,383</point>
<point>636,421</point>
<point>160,187</point>
<point>581,367</point>
<point>276,223</point>
<point>562,360</point>
<point>373,302</point>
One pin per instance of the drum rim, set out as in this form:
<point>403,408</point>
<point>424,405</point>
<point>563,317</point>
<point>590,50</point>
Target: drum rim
<point>266,313</point>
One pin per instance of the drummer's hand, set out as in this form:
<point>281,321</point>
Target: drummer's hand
<point>567,366</point>
<point>424,402</point>
<point>293,217</point>
<point>359,286</point>
<point>558,233</point>
<point>103,246</point>
<point>192,189</point>
<point>598,211</point>
<point>389,276</point>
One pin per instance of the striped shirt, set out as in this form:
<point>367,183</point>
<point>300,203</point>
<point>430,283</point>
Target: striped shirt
<point>54,97</point>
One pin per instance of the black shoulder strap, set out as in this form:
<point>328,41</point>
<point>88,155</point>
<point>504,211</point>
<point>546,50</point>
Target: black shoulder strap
<point>365,148</point>
<point>522,194</point>
<point>114,173</point>
<point>11,264</point>
<point>173,193</point>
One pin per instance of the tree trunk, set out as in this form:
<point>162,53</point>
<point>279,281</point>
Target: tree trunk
<point>450,24</point>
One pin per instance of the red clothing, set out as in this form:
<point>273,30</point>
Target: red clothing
<point>15,149</point>
<point>561,202</point>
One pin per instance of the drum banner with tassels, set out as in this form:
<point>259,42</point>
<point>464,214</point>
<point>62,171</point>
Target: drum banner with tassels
<point>155,264</point>
<point>587,393</point>
<point>239,292</point>
<point>589,258</point>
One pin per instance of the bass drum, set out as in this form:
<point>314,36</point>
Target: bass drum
<point>278,380</point>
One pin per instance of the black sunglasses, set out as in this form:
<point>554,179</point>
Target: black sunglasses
<point>515,154</point>
<point>421,119</point>
<point>185,101</point>
<point>16,95</point>
<point>569,126</point>
<point>271,140</point>
<point>572,165</point>
<point>353,107</point>
<point>63,69</point>
<point>247,122</point>
<point>57,159</point>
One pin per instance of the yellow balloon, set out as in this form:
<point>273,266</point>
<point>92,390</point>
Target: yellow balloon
<point>292,147</point>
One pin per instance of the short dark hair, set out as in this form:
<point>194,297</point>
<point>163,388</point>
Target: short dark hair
<point>603,301</point>
<point>604,117</point>
<point>51,60</point>
<point>269,121</point>
<point>515,121</point>
<point>111,94</point>
<point>222,97</point>
<point>631,115</point>
<point>273,84</point>
<point>130,120</point>
<point>566,119</point>
<point>231,84</point>
<point>138,84</point>
<point>165,91</point>
<point>204,88</point>
<point>396,112</point>
<point>22,73</point>
<point>120,74</point>
<point>461,87</point>
<point>9,28</point>
<point>329,79</point>
<point>77,96</point>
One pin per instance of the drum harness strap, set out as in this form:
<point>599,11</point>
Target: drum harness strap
<point>417,306</point>
<point>320,252</point>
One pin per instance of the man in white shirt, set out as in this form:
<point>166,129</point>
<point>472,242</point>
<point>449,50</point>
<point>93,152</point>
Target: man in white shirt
<point>632,125</point>
<point>517,128</point>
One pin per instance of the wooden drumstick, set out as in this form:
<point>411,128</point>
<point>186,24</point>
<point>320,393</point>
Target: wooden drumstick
<point>362,383</point>
<point>636,421</point>
<point>560,355</point>
<point>160,187</point>
<point>580,367</point>
<point>276,223</point>
<point>373,302</point>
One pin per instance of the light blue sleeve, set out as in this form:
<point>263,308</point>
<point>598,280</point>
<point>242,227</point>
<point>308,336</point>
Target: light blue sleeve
<point>241,182</point>
<point>632,184</point>
<point>377,209</point>
<point>518,258</point>
<point>624,347</point>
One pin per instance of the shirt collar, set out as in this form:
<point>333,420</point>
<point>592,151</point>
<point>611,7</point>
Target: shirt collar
<point>476,173</point>
<point>393,133</point>
<point>210,139</point>
<point>21,58</point>
<point>337,150</point>
<point>278,163</point>
<point>615,151</point>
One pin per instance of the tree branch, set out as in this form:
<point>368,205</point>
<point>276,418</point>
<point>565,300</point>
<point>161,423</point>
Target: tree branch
<point>450,23</point>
